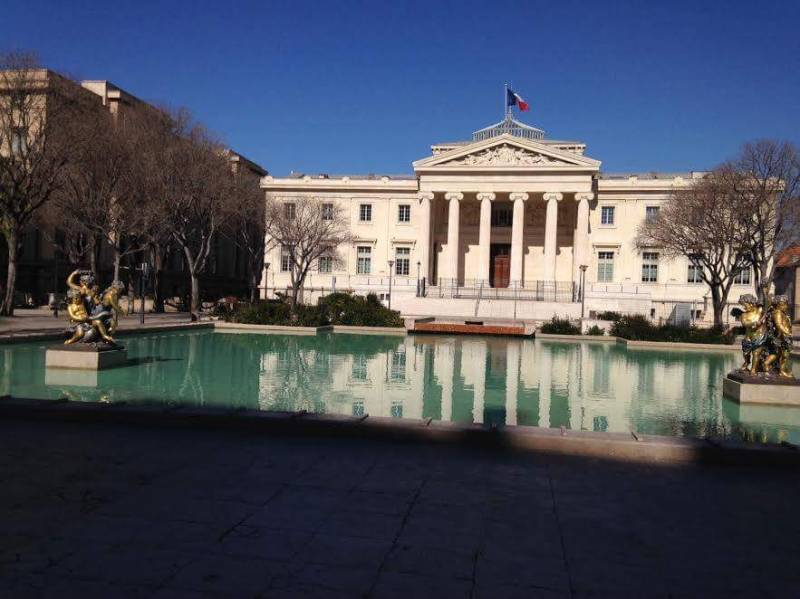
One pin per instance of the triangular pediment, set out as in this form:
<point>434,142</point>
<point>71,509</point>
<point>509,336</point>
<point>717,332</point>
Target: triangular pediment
<point>507,152</point>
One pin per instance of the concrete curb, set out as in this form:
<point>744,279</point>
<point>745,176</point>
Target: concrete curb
<point>556,337</point>
<point>667,345</point>
<point>611,446</point>
<point>59,336</point>
<point>266,329</point>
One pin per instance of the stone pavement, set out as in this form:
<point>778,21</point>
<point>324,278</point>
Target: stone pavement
<point>123,511</point>
<point>42,321</point>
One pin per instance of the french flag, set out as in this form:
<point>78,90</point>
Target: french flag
<point>514,99</point>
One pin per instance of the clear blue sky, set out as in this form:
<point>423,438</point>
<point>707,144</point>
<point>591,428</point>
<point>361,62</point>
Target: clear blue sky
<point>367,86</point>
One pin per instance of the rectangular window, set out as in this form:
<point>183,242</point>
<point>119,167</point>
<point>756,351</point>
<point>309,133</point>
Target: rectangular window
<point>360,370</point>
<point>649,267</point>
<point>695,273</point>
<point>605,267</point>
<point>743,278</point>
<point>650,213</point>
<point>365,213</point>
<point>364,263</point>
<point>502,215</point>
<point>286,259</point>
<point>607,215</point>
<point>396,410</point>
<point>325,264</point>
<point>404,213</point>
<point>402,261</point>
<point>327,212</point>
<point>290,211</point>
<point>398,372</point>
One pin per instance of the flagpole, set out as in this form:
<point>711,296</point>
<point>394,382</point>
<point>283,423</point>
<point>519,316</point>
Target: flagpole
<point>505,100</point>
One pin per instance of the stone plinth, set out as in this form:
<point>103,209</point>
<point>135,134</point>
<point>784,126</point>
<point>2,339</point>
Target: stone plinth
<point>748,389</point>
<point>85,356</point>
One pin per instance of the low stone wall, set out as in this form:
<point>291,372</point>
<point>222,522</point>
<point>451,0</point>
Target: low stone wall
<point>468,329</point>
<point>595,338</point>
<point>670,345</point>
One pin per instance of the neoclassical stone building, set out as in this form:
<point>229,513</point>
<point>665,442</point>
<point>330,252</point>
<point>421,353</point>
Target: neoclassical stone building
<point>507,215</point>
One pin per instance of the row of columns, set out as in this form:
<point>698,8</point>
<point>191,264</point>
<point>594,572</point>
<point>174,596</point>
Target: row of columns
<point>454,198</point>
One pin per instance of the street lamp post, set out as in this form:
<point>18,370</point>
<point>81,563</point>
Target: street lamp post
<point>266,280</point>
<point>419,291</point>
<point>391,263</point>
<point>583,290</point>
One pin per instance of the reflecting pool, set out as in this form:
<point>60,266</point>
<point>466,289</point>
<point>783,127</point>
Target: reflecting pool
<point>492,380</point>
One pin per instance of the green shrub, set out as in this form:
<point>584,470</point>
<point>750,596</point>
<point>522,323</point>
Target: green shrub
<point>560,326</point>
<point>609,315</point>
<point>595,330</point>
<point>337,308</point>
<point>638,328</point>
<point>355,310</point>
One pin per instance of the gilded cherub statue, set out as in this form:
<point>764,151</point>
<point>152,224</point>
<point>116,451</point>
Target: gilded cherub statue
<point>767,343</point>
<point>93,317</point>
<point>754,343</point>
<point>780,332</point>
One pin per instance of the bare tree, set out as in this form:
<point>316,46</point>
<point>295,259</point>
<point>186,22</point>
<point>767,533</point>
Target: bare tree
<point>306,230</point>
<point>37,112</point>
<point>246,224</point>
<point>763,183</point>
<point>701,223</point>
<point>102,184</point>
<point>193,184</point>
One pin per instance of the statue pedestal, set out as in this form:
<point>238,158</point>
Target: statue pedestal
<point>772,391</point>
<point>85,356</point>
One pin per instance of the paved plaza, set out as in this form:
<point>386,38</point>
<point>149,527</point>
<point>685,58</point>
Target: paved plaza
<point>122,511</point>
<point>41,320</point>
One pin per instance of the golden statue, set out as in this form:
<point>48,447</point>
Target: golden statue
<point>93,317</point>
<point>755,333</point>
<point>781,338</point>
<point>767,343</point>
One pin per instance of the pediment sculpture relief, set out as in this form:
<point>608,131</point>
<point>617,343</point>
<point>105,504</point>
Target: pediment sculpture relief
<point>504,155</point>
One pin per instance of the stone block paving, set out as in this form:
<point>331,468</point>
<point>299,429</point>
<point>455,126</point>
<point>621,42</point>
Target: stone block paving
<point>118,511</point>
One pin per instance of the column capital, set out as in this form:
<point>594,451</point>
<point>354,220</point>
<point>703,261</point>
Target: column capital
<point>425,195</point>
<point>486,195</point>
<point>584,195</point>
<point>518,196</point>
<point>454,195</point>
<point>553,196</point>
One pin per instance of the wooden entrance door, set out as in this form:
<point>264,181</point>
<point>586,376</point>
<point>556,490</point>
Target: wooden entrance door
<point>500,264</point>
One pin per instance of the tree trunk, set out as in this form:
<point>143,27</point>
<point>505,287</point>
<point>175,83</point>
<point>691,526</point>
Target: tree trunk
<point>195,305</point>
<point>12,240</point>
<point>158,267</point>
<point>719,306</point>
<point>117,258</point>
<point>93,258</point>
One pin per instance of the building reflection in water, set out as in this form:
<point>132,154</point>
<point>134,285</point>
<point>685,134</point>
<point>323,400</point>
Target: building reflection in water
<point>491,380</point>
<point>503,381</point>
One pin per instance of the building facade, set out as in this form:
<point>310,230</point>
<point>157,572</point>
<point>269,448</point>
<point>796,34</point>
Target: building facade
<point>507,215</point>
<point>43,267</point>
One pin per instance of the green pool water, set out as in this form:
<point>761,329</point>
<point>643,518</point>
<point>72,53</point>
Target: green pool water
<point>501,381</point>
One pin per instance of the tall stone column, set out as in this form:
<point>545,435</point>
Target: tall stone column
<point>453,216</point>
<point>516,236</point>
<point>425,198</point>
<point>550,235</point>
<point>485,236</point>
<point>580,246</point>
